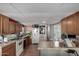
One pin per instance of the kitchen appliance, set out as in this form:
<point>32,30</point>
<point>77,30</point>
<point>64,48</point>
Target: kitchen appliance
<point>1,38</point>
<point>19,47</point>
<point>72,36</point>
<point>56,43</point>
<point>5,39</point>
<point>35,34</point>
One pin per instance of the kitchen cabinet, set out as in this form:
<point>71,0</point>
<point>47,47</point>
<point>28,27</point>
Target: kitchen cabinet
<point>9,26</point>
<point>18,27</point>
<point>27,42</point>
<point>4,24</point>
<point>9,50</point>
<point>71,25</point>
<point>12,26</point>
<point>64,26</point>
<point>0,24</point>
<point>15,26</point>
<point>77,23</point>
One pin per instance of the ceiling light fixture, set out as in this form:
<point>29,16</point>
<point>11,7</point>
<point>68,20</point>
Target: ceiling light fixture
<point>44,22</point>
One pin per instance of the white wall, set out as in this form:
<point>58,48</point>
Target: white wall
<point>57,32</point>
<point>51,32</point>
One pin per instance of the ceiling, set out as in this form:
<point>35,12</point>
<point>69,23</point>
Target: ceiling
<point>38,13</point>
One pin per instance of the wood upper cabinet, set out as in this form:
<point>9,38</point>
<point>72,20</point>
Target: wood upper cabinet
<point>15,27</point>
<point>12,26</point>
<point>77,23</point>
<point>0,24</point>
<point>4,24</point>
<point>18,27</point>
<point>71,25</point>
<point>68,25</point>
<point>64,26</point>
<point>9,26</point>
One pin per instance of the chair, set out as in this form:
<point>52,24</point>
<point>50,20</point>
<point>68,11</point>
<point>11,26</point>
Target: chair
<point>72,51</point>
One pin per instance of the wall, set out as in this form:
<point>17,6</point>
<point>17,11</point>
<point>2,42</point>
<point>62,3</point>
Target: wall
<point>11,36</point>
<point>51,32</point>
<point>29,28</point>
<point>55,31</point>
<point>44,36</point>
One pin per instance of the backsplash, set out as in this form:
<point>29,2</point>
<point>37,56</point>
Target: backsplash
<point>77,37</point>
<point>11,36</point>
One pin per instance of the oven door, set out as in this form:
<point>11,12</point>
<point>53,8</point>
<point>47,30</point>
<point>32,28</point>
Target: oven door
<point>19,47</point>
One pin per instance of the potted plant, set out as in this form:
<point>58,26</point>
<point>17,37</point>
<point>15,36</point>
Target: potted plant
<point>29,34</point>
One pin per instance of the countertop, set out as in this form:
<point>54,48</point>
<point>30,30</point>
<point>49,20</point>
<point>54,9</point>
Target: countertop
<point>10,42</point>
<point>50,44</point>
<point>46,45</point>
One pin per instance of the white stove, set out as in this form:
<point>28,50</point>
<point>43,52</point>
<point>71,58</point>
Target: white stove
<point>19,47</point>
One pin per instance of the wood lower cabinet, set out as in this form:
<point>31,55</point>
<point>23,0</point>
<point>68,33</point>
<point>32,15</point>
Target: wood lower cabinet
<point>27,42</point>
<point>9,50</point>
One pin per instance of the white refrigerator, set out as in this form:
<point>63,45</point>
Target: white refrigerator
<point>35,35</point>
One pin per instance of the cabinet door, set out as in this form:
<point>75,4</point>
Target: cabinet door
<point>71,25</point>
<point>12,26</point>
<point>5,25</point>
<point>77,23</point>
<point>12,51</point>
<point>5,53</point>
<point>17,27</point>
<point>9,50</point>
<point>0,24</point>
<point>20,28</point>
<point>64,26</point>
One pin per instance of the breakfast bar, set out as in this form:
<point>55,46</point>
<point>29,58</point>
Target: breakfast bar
<point>48,48</point>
